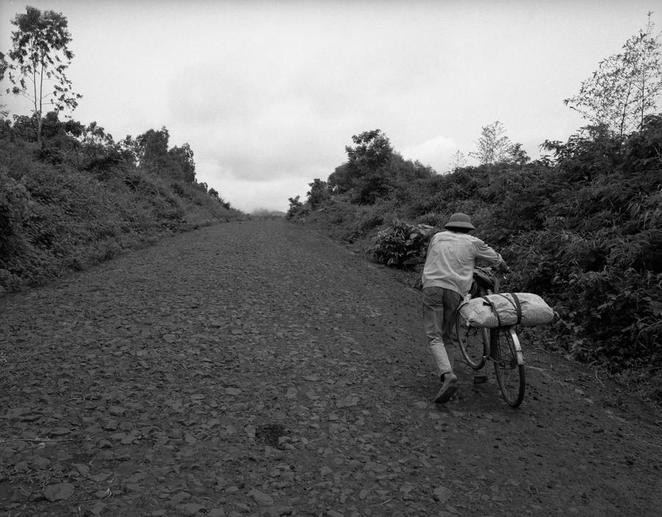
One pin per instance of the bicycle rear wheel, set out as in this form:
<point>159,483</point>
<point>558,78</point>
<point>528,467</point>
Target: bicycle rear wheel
<point>473,343</point>
<point>509,368</point>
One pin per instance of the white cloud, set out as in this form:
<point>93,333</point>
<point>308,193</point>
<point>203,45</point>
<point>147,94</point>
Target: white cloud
<point>269,93</point>
<point>436,152</point>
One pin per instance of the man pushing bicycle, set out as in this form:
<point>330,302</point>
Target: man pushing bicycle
<point>447,277</point>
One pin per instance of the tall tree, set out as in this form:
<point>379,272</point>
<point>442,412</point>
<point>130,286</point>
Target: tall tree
<point>3,66</point>
<point>318,193</point>
<point>366,158</point>
<point>371,149</point>
<point>181,159</point>
<point>39,57</point>
<point>458,160</point>
<point>493,146</point>
<point>153,149</point>
<point>626,86</point>
<point>367,165</point>
<point>3,70</point>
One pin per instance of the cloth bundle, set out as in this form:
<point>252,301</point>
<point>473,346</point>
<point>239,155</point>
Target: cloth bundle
<point>504,309</point>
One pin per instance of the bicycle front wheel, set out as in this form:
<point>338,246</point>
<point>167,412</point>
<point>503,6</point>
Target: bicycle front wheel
<point>508,365</point>
<point>473,343</point>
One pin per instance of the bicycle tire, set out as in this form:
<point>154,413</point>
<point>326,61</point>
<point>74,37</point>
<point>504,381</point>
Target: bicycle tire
<point>509,370</point>
<point>473,343</point>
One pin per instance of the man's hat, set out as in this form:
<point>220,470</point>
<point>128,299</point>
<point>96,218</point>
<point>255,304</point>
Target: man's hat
<point>460,220</point>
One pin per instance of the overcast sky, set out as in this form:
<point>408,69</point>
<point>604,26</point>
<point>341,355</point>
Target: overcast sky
<point>269,93</point>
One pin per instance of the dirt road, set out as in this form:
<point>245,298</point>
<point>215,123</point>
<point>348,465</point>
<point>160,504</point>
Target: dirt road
<point>258,368</point>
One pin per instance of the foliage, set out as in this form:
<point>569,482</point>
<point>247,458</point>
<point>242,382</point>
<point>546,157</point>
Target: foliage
<point>39,57</point>
<point>297,208</point>
<point>494,146</point>
<point>626,86</point>
<point>152,149</point>
<point>14,207</point>
<point>587,153</point>
<point>371,150</point>
<point>213,193</point>
<point>151,152</point>
<point>401,244</point>
<point>181,162</point>
<point>4,66</point>
<point>80,198</point>
<point>582,228</point>
<point>458,161</point>
<point>366,173</point>
<point>318,193</point>
<point>3,70</point>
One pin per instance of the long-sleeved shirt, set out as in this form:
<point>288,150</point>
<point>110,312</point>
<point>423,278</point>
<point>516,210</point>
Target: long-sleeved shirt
<point>451,259</point>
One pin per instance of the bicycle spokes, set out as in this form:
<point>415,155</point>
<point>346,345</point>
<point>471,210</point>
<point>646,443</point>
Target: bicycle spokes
<point>509,371</point>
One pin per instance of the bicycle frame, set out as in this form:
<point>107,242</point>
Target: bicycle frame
<point>500,345</point>
<point>516,343</point>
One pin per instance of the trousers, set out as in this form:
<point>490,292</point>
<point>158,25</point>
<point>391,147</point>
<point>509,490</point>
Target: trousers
<point>439,313</point>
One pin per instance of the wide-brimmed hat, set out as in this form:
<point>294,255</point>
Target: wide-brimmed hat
<point>460,220</point>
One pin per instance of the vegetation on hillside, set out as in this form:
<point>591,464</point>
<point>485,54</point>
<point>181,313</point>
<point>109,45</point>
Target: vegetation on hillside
<point>78,197</point>
<point>70,195</point>
<point>581,226</point>
<point>626,86</point>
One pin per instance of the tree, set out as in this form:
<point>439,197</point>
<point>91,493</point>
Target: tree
<point>458,161</point>
<point>181,160</point>
<point>371,150</point>
<point>153,149</point>
<point>365,175</point>
<point>368,162</point>
<point>517,155</point>
<point>130,149</point>
<point>3,70</point>
<point>152,153</point>
<point>95,136</point>
<point>297,208</point>
<point>339,180</point>
<point>318,193</point>
<point>494,146</point>
<point>39,58</point>
<point>626,87</point>
<point>3,66</point>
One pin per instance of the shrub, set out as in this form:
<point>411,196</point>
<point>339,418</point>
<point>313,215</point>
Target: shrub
<point>582,228</point>
<point>365,218</point>
<point>401,244</point>
<point>58,215</point>
<point>14,207</point>
<point>318,193</point>
<point>297,208</point>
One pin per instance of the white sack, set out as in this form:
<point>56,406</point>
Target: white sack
<point>479,313</point>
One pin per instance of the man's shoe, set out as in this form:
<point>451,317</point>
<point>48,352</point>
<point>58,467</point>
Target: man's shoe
<point>448,388</point>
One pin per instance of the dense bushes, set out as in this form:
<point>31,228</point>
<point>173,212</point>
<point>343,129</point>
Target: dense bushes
<point>401,244</point>
<point>582,227</point>
<point>79,198</point>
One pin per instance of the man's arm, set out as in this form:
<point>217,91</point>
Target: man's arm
<point>486,254</point>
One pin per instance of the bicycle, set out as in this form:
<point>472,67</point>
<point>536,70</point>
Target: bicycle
<point>499,345</point>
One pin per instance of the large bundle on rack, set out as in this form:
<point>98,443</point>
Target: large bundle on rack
<point>504,309</point>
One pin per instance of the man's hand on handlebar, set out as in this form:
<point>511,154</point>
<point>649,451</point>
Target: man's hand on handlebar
<point>502,267</point>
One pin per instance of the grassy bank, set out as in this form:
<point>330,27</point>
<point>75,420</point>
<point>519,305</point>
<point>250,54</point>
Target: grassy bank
<point>78,198</point>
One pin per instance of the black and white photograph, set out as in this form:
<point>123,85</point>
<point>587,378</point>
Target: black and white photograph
<point>330,258</point>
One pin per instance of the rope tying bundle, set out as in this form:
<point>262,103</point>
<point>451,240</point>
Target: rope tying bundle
<point>515,302</point>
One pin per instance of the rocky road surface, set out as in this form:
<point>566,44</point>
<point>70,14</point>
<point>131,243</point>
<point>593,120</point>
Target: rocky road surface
<point>258,368</point>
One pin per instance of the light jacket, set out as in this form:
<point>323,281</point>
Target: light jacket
<point>451,259</point>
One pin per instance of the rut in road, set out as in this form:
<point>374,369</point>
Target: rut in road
<point>258,368</point>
